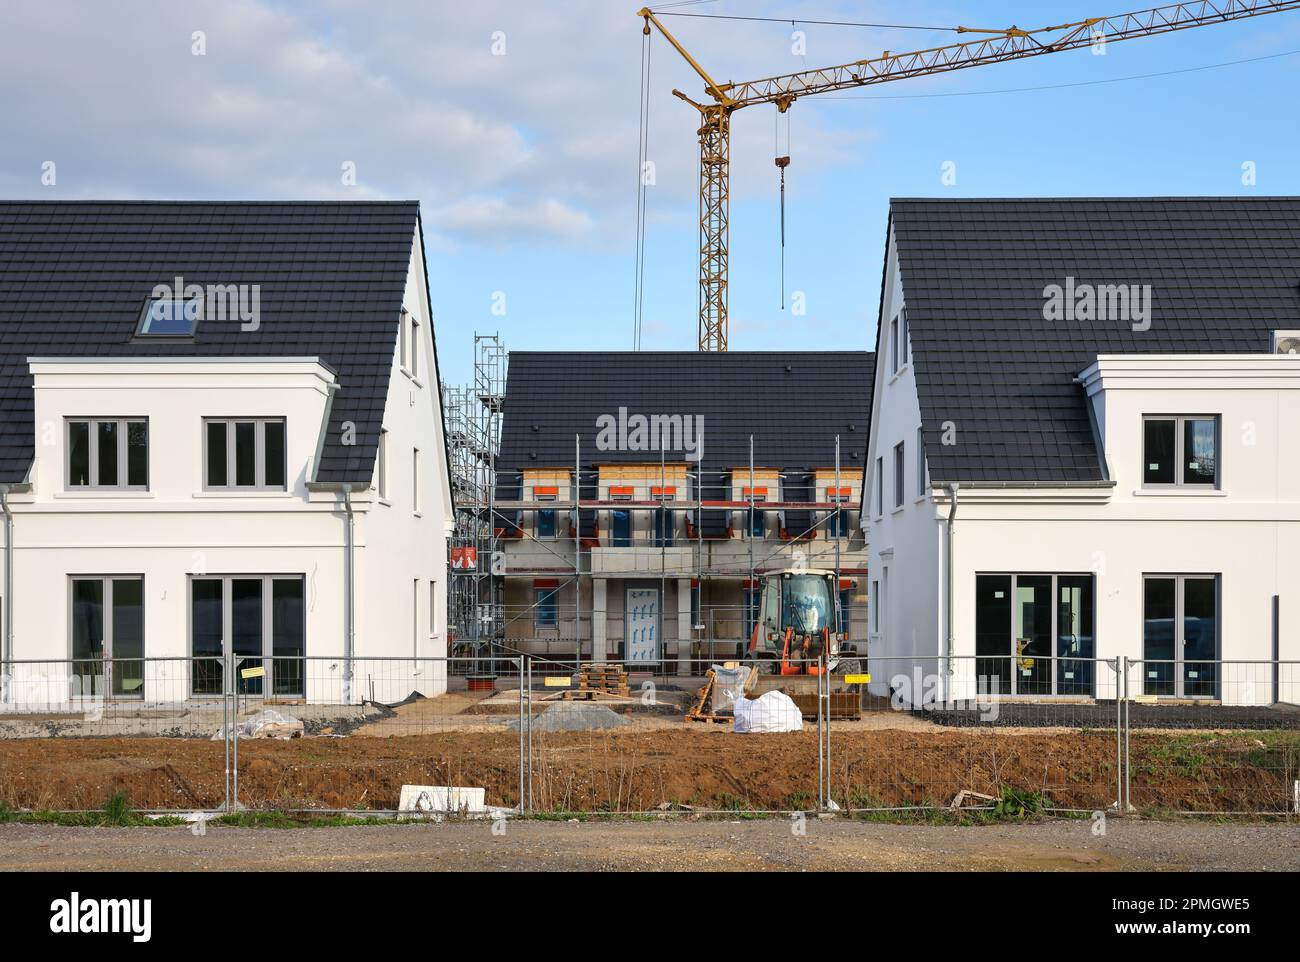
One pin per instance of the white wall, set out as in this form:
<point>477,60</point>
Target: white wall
<point>904,542</point>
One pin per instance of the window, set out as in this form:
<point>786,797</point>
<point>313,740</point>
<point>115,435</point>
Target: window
<point>837,522</point>
<point>875,607</point>
<point>381,465</point>
<point>904,336</point>
<point>403,345</point>
<point>433,609</point>
<point>107,636</point>
<point>664,520</point>
<point>878,494</point>
<point>415,618</point>
<point>413,357</point>
<point>546,610</point>
<point>757,522</point>
<point>244,453</point>
<point>546,523</point>
<point>108,454</point>
<point>620,528</point>
<point>899,467</point>
<point>1180,635</point>
<point>893,346</point>
<point>920,464</point>
<point>169,317</point>
<point>1034,634</point>
<point>846,606</point>
<point>260,620</point>
<point>415,480</point>
<point>752,598</point>
<point>1180,451</point>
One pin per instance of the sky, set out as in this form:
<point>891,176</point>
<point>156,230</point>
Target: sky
<point>516,125</point>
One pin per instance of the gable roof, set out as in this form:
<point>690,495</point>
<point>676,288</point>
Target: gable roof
<point>74,276</point>
<point>1224,273</point>
<point>794,403</point>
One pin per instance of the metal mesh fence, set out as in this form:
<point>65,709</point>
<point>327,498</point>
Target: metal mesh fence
<point>678,735</point>
<point>1212,737</point>
<point>956,732</point>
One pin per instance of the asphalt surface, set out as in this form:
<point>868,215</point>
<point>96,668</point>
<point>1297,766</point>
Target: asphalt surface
<point>668,845</point>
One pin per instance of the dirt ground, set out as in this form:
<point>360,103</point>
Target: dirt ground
<point>635,769</point>
<point>766,845</point>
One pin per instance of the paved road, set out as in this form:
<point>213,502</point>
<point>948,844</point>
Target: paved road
<point>660,846</point>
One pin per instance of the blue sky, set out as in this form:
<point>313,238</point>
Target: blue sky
<point>526,163</point>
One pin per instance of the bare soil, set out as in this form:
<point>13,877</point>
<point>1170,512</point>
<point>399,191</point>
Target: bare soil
<point>638,769</point>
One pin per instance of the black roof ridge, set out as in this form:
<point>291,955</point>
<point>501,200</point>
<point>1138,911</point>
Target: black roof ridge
<point>573,353</point>
<point>196,202</point>
<point>1051,198</point>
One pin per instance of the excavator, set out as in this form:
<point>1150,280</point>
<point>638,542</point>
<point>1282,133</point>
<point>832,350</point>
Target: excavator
<point>800,627</point>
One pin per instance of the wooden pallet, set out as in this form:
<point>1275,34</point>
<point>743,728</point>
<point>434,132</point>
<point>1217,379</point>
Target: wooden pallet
<point>610,679</point>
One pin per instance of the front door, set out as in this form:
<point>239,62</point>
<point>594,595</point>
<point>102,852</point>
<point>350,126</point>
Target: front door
<point>107,619</point>
<point>642,625</point>
<point>260,620</point>
<point>1180,635</point>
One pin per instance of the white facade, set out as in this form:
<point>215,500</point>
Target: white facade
<point>177,530</point>
<point>1238,539</point>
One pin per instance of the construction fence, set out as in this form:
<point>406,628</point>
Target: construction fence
<point>524,735</point>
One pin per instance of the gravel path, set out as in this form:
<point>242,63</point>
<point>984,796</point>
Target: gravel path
<point>661,846</point>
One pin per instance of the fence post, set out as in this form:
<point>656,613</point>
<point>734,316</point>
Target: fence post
<point>528,695</point>
<point>519,665</point>
<point>1126,804</point>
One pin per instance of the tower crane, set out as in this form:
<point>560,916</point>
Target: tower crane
<point>724,99</point>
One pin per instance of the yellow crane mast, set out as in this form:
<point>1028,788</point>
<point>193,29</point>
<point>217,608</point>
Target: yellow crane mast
<point>783,90</point>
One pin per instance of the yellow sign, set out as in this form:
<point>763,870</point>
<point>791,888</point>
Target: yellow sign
<point>259,672</point>
<point>559,681</point>
<point>857,679</point>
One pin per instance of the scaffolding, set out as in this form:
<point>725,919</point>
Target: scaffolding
<point>473,416</point>
<point>797,516</point>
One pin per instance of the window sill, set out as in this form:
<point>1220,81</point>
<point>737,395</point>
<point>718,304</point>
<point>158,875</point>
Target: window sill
<point>1179,493</point>
<point>417,514</point>
<point>897,374</point>
<point>384,501</point>
<point>898,509</point>
<point>104,494</point>
<point>244,494</point>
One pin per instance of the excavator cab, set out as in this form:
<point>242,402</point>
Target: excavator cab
<point>798,624</point>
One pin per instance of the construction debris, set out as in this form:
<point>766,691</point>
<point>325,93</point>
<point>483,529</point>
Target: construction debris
<point>564,716</point>
<point>723,684</point>
<point>960,799</point>
<point>265,724</point>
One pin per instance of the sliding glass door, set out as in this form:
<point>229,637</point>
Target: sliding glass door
<point>107,636</point>
<point>1180,635</point>
<point>260,619</point>
<point>1034,634</point>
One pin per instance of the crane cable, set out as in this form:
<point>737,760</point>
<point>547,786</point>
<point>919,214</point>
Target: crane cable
<point>643,148</point>
<point>782,162</point>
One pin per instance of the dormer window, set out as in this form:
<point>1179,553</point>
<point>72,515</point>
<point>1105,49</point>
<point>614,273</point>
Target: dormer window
<point>1180,451</point>
<point>170,317</point>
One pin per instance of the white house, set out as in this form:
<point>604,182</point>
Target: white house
<point>221,434</point>
<point>1082,447</point>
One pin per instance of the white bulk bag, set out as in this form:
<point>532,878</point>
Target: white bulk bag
<point>770,712</point>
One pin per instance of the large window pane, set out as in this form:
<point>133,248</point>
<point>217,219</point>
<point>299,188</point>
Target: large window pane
<point>128,636</point>
<point>217,476</point>
<point>245,453</point>
<point>1158,451</point>
<point>287,643</point>
<point>1074,638</point>
<point>78,453</point>
<point>1159,600</point>
<point>137,453</point>
<point>206,622</point>
<point>106,433</point>
<point>246,629</point>
<point>993,633</point>
<point>274,454</point>
<point>88,636</point>
<point>1200,637</point>
<point>1033,634</point>
<point>1200,450</point>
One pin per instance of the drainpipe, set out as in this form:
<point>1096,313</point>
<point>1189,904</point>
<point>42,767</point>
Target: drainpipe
<point>349,598</point>
<point>8,648</point>
<point>947,608</point>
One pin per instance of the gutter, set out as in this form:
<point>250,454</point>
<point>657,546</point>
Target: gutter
<point>7,650</point>
<point>951,539</point>
<point>1030,484</point>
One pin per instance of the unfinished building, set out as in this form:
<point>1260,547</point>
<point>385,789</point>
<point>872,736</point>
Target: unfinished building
<point>639,497</point>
